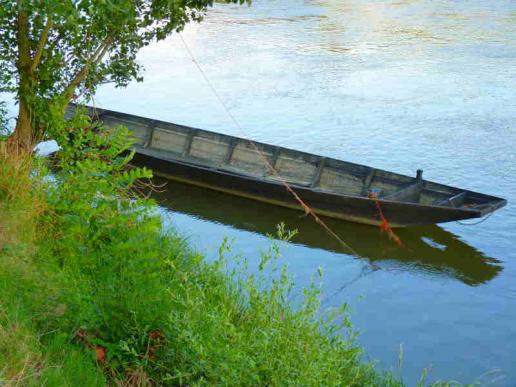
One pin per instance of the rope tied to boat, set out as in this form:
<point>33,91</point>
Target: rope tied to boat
<point>385,227</point>
<point>482,220</point>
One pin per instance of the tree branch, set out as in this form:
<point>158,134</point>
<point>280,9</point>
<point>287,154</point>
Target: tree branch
<point>93,60</point>
<point>102,52</point>
<point>41,44</point>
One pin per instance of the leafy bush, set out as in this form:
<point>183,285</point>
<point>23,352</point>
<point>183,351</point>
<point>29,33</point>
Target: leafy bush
<point>156,308</point>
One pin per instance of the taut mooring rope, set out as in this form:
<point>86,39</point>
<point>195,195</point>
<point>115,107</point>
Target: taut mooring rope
<point>306,208</point>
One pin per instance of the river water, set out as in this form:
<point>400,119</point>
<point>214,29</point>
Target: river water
<point>397,85</point>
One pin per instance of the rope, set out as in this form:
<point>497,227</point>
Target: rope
<point>477,222</point>
<point>368,268</point>
<point>385,226</point>
<point>306,208</point>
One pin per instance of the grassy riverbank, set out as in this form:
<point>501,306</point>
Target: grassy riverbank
<point>93,291</point>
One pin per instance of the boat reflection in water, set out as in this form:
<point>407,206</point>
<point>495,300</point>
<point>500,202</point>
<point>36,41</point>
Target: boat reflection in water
<point>428,249</point>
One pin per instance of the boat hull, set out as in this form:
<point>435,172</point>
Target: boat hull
<point>353,209</point>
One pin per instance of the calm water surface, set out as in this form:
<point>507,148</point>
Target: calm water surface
<point>398,85</point>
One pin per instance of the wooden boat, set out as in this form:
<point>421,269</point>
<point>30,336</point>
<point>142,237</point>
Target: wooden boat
<point>333,188</point>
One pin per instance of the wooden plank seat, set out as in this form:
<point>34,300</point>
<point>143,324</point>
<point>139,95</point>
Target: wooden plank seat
<point>453,201</point>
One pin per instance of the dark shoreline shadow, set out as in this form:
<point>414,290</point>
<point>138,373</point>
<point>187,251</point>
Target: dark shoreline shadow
<point>428,249</point>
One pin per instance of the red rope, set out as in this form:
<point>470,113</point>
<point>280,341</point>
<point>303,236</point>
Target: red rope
<point>384,225</point>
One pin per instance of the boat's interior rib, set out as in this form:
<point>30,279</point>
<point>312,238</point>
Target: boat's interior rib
<point>368,179</point>
<point>317,177</point>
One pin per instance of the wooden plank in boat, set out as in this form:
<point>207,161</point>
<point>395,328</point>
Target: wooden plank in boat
<point>211,148</point>
<point>138,129</point>
<point>296,167</point>
<point>169,140</point>
<point>454,201</point>
<point>340,181</point>
<point>430,197</point>
<point>408,194</point>
<point>247,159</point>
<point>388,183</point>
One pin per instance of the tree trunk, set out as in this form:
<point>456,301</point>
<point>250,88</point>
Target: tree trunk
<point>22,140</point>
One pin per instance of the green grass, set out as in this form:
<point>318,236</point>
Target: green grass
<point>93,291</point>
<point>29,355</point>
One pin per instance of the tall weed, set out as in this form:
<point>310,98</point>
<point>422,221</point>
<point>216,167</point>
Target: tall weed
<point>28,291</point>
<point>21,200</point>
